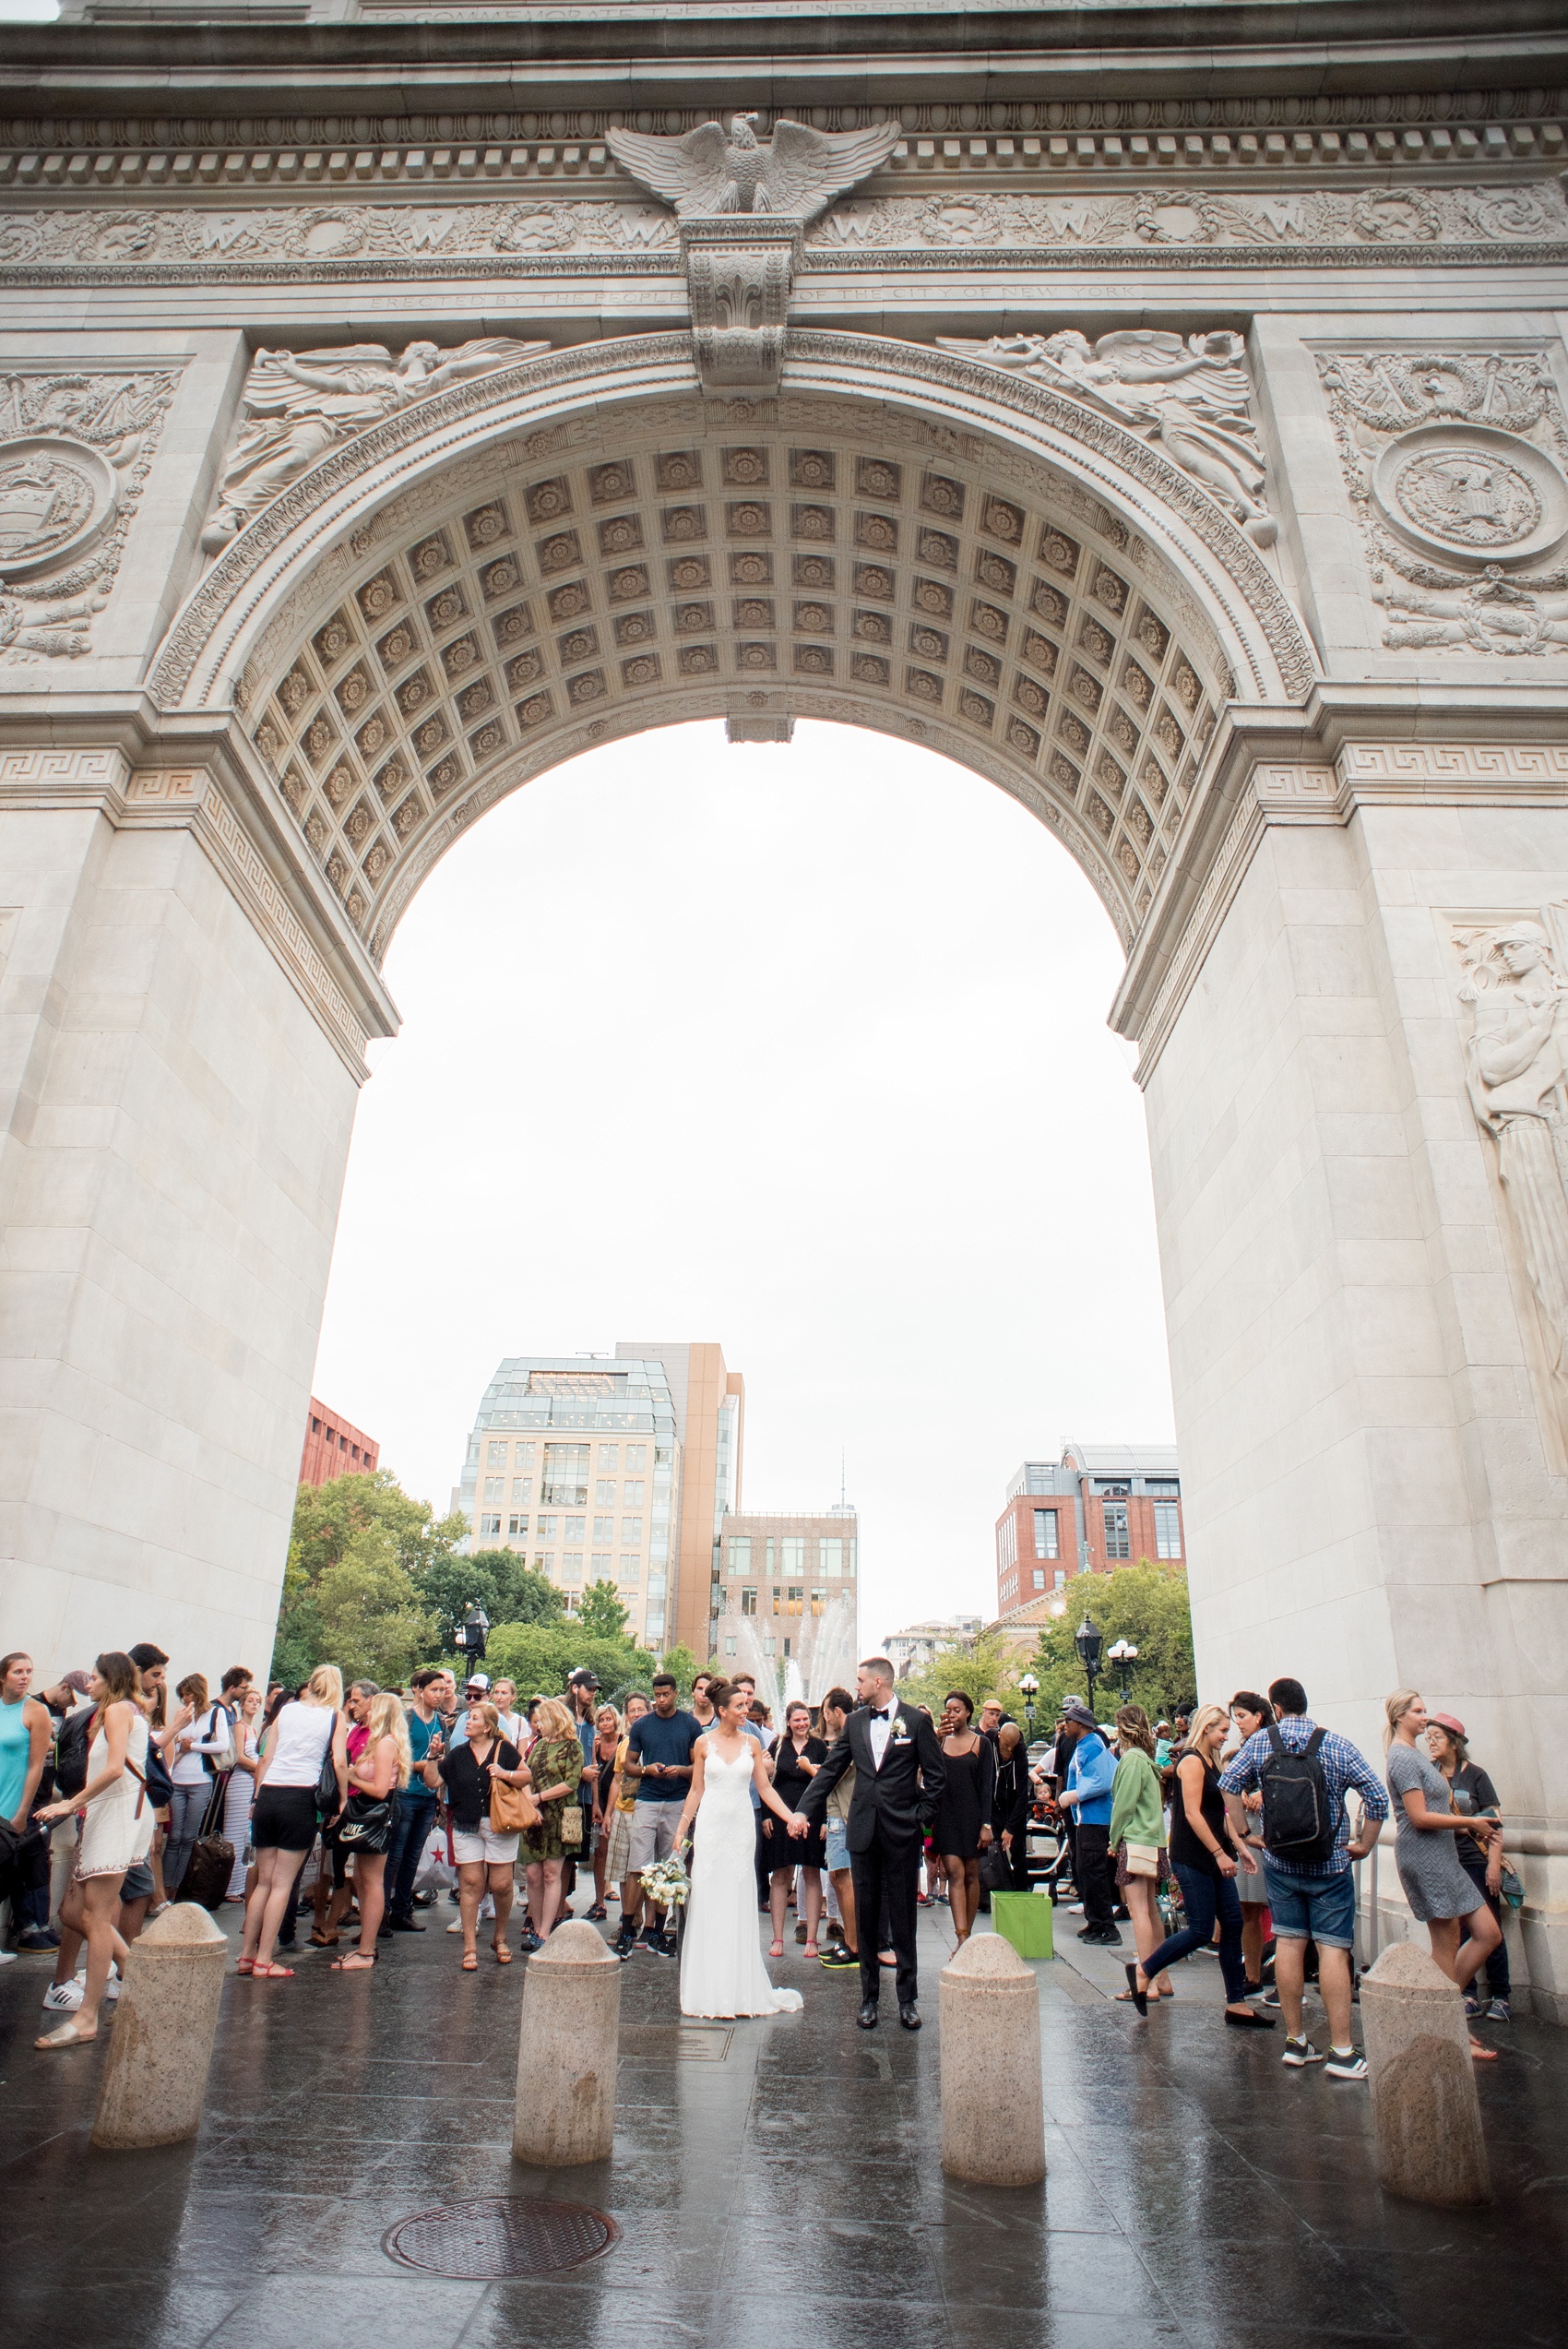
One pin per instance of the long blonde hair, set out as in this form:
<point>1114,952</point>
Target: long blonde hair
<point>551,1719</point>
<point>324,1687</point>
<point>1394,1707</point>
<point>387,1719</point>
<point>1202,1721</point>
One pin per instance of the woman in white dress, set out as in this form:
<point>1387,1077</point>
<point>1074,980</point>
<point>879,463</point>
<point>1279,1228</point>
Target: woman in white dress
<point>117,1832</point>
<point>721,1969</point>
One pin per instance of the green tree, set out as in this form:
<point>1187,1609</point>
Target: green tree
<point>500,1582</point>
<point>373,1626</point>
<point>1146,1603</point>
<point>981,1668</point>
<point>685,1667</point>
<point>602,1613</point>
<point>539,1656</point>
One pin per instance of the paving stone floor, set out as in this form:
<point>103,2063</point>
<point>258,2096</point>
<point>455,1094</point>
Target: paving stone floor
<point>788,2193</point>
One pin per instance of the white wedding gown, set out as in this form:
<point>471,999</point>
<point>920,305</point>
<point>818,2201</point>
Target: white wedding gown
<point>721,1969</point>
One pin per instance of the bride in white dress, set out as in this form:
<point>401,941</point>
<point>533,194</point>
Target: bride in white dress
<point>722,1973</point>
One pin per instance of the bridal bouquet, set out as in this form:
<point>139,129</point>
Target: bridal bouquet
<point>667,1882</point>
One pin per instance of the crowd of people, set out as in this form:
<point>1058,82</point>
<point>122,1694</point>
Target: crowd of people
<point>1230,1831</point>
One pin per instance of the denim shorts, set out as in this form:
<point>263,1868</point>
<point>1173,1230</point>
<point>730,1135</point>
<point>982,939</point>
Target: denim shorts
<point>838,1846</point>
<point>1311,1908</point>
<point>137,1884</point>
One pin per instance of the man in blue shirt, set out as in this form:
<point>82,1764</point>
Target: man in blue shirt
<point>1087,1794</point>
<point>659,1762</point>
<point>416,1805</point>
<point>1312,1899</point>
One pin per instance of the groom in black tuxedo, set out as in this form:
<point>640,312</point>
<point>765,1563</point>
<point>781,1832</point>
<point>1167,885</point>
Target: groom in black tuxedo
<point>900,1773</point>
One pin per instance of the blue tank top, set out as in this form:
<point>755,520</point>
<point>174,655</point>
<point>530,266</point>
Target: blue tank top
<point>16,1742</point>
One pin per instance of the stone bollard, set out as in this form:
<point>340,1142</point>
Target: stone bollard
<point>993,2098</point>
<point>1426,2112</point>
<point>154,2085</point>
<point>566,2051</point>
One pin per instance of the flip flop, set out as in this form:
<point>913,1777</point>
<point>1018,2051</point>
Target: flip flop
<point>355,1963</point>
<point>1478,2055</point>
<point>811,1950</point>
<point>776,1950</point>
<point>68,2036</point>
<point>471,1961</point>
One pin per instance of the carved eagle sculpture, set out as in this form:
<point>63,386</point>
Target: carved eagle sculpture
<point>795,173</point>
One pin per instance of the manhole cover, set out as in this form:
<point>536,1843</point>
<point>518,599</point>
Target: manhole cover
<point>481,2241</point>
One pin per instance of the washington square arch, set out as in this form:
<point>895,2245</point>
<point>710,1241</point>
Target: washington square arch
<point>1161,411</point>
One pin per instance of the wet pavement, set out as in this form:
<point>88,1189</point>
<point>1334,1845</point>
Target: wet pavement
<point>780,2184</point>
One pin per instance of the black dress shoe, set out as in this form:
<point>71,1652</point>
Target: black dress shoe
<point>402,1924</point>
<point>910,2017</point>
<point>867,2016</point>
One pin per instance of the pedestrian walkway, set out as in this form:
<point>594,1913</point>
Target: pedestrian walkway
<point>781,2182</point>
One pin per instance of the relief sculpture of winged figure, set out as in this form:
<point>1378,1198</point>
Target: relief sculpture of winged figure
<point>1193,397</point>
<point>795,173</point>
<point>297,406</point>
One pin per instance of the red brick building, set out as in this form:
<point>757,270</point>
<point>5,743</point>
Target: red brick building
<point>1099,1507</point>
<point>333,1448</point>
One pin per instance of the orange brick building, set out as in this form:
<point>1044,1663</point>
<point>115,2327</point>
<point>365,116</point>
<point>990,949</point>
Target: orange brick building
<point>1099,1507</point>
<point>333,1448</point>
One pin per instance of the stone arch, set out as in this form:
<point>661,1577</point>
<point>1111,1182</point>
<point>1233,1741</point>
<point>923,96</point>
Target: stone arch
<point>581,546</point>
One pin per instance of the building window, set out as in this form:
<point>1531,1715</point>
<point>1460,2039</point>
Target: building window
<point>545,1564</point>
<point>609,1459</point>
<point>566,1475</point>
<point>1006,1541</point>
<point>495,1456</point>
<point>1116,1541</point>
<point>604,1529</point>
<point>739,1553</point>
<point>1047,1539</point>
<point>830,1555</point>
<point>637,1456</point>
<point>545,1529</point>
<point>490,1529</point>
<point>631,1530</point>
<point>633,1491</point>
<point>729,1644</point>
<point>571,1566</point>
<point>603,1565</point>
<point>793,1547</point>
<point>517,1529</point>
<point>794,1597</point>
<point>1167,1528</point>
<point>631,1569</point>
<point>524,1455</point>
<point>605,1493</point>
<point>315,1427</point>
<point>819,1601</point>
<point>748,1600</point>
<point>522,1491</point>
<point>1060,1578</point>
<point>495,1488</point>
<point>786,1647</point>
<point>1039,1578</point>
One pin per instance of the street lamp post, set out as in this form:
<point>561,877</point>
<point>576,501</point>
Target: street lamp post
<point>1088,1641</point>
<point>1029,1688</point>
<point>1124,1655</point>
<point>471,1633</point>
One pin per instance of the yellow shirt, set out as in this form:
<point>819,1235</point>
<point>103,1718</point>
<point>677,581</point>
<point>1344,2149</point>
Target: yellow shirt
<point>628,1798</point>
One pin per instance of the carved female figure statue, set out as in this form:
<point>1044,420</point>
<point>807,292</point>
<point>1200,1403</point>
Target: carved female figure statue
<point>1518,1081</point>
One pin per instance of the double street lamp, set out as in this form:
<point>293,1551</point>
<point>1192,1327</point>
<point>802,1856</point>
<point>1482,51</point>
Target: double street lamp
<point>1029,1688</point>
<point>1124,1655</point>
<point>471,1632</point>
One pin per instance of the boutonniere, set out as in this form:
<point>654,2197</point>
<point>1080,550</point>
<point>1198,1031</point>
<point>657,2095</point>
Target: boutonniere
<point>900,1730</point>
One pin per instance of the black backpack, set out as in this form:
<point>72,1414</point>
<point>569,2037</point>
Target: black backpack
<point>1300,1818</point>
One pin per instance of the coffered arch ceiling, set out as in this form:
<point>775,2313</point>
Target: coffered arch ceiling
<point>1062,614</point>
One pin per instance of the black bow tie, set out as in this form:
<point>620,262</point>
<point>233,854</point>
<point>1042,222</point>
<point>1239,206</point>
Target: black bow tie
<point>885,1713</point>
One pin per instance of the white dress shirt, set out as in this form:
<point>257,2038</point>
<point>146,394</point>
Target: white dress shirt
<point>880,1730</point>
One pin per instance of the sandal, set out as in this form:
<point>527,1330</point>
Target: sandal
<point>319,1940</point>
<point>68,2036</point>
<point>503,1954</point>
<point>776,1950</point>
<point>265,1970</point>
<point>246,1965</point>
<point>471,1961</point>
<point>811,1950</point>
<point>596,1914</point>
<point>1478,2054</point>
<point>355,1963</point>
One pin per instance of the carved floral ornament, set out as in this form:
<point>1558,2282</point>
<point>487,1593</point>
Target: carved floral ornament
<point>74,451</point>
<point>1455,460</point>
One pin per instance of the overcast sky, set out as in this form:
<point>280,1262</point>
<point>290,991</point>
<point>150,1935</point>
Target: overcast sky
<point>801,1049</point>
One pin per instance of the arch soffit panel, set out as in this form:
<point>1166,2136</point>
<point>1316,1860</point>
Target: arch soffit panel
<point>577,548</point>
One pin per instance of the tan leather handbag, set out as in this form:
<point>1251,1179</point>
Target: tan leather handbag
<point>512,1808</point>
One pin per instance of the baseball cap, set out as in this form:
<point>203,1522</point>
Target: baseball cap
<point>583,1679</point>
<point>79,1681</point>
<point>477,1680</point>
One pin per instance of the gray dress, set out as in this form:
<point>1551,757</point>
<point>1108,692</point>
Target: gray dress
<point>1436,1885</point>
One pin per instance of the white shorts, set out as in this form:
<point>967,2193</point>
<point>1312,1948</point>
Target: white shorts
<point>495,1850</point>
<point>653,1834</point>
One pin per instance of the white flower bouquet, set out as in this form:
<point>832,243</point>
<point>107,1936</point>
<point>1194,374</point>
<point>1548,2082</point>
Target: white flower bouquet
<point>667,1882</point>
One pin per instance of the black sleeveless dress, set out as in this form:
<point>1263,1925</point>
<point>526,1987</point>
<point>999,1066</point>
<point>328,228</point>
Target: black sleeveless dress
<point>966,1802</point>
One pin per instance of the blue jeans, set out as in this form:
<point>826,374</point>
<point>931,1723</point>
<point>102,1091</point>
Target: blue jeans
<point>409,1830</point>
<point>1206,1897</point>
<point>187,1806</point>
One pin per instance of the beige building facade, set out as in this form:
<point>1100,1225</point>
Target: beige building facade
<point>785,1603</point>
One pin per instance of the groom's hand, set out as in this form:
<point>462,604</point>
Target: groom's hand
<point>797,1825</point>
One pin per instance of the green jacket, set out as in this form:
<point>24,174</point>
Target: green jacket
<point>1137,1812</point>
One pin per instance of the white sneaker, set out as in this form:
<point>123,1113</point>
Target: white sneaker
<point>456,1926</point>
<point>8,1957</point>
<point>64,1997</point>
<point>486,1910</point>
<point>1074,1908</point>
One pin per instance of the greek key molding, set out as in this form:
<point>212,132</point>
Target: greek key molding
<point>40,778</point>
<point>1470,769</point>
